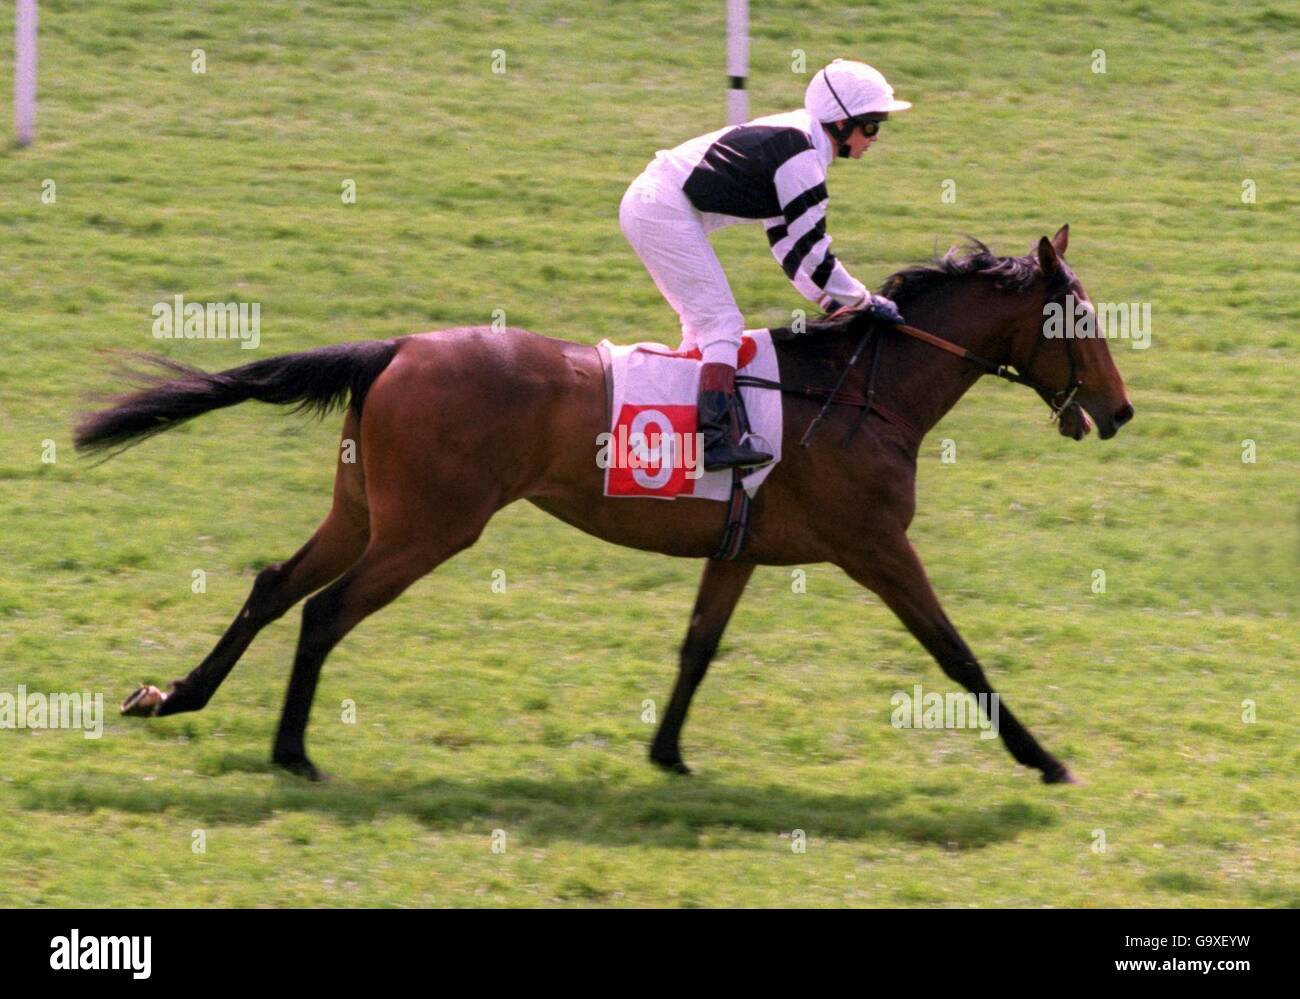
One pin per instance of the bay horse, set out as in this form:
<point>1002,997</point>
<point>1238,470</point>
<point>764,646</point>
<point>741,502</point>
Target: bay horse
<point>454,425</point>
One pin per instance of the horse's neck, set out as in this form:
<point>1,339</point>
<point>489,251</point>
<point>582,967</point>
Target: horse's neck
<point>921,382</point>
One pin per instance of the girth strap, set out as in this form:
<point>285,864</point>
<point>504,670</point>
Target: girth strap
<point>736,533</point>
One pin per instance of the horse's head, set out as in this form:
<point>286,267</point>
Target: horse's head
<point>1025,318</point>
<point>1059,347</point>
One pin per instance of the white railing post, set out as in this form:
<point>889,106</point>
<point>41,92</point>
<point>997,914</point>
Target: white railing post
<point>25,71</point>
<point>737,61</point>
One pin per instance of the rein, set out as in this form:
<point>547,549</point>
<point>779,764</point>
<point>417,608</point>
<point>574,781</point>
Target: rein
<point>1009,372</point>
<point>1057,401</point>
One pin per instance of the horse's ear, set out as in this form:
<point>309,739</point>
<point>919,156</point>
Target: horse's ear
<point>1047,258</point>
<point>1061,240</point>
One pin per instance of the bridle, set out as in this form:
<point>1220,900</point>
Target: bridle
<point>1058,401</point>
<point>1067,394</point>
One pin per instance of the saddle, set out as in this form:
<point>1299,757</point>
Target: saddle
<point>652,450</point>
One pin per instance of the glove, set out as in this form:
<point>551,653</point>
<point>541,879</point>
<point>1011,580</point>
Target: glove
<point>884,310</point>
<point>830,306</point>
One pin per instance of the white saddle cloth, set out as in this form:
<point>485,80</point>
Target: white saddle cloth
<point>651,449</point>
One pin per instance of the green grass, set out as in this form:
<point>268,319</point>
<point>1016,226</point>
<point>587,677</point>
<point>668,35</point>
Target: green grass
<point>521,711</point>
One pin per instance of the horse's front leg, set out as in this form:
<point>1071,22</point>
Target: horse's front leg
<point>720,590</point>
<point>893,571</point>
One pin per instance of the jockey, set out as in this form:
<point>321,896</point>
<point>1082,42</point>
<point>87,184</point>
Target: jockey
<point>771,170</point>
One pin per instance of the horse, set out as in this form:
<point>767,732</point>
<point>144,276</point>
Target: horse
<point>451,426</point>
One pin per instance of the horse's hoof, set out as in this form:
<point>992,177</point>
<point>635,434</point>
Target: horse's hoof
<point>300,766</point>
<point>144,702</point>
<point>672,766</point>
<point>1060,775</point>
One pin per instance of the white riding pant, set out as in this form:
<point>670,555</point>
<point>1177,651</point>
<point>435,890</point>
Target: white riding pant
<point>672,239</point>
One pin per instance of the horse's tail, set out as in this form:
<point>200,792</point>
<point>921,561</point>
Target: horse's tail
<point>317,381</point>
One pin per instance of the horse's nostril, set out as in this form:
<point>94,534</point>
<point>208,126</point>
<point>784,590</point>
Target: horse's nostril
<point>1123,414</point>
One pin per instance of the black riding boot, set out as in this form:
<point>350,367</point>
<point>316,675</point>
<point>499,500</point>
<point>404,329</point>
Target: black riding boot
<point>717,422</point>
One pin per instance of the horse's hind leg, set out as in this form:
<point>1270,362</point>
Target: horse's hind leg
<point>720,590</point>
<point>337,544</point>
<point>445,444</point>
<point>394,560</point>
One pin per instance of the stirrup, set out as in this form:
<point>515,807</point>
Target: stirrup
<point>741,456</point>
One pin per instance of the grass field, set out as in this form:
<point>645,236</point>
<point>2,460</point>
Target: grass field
<point>521,711</point>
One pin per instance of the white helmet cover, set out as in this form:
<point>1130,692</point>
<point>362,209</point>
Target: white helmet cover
<point>846,89</point>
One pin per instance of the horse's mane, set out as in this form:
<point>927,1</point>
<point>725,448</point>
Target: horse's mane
<point>972,258</point>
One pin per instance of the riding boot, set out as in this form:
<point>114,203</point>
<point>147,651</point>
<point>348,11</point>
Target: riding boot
<point>718,423</point>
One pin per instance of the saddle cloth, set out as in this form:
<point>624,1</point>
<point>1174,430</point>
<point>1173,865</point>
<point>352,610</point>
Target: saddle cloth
<point>651,449</point>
